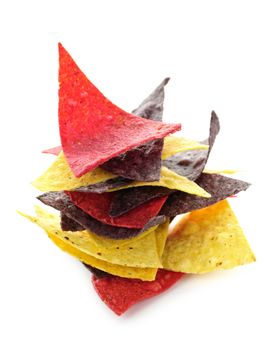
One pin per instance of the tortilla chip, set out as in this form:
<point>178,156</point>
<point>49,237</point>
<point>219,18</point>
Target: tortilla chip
<point>176,144</point>
<point>141,252</point>
<point>59,177</point>
<point>147,274</point>
<point>141,164</point>
<point>96,272</point>
<point>221,171</point>
<point>68,224</point>
<point>173,181</point>
<point>152,107</point>
<point>161,233</point>
<point>119,294</point>
<point>97,205</point>
<point>161,237</point>
<point>126,200</point>
<point>220,187</point>
<point>62,202</point>
<point>92,129</point>
<point>209,239</point>
<point>102,187</point>
<point>54,150</point>
<point>191,163</point>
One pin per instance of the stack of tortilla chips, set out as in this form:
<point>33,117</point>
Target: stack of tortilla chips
<point>117,182</point>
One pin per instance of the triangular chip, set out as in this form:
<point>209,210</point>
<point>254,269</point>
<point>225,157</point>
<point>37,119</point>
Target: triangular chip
<point>96,272</point>
<point>119,294</point>
<point>191,163</point>
<point>173,181</point>
<point>126,200</point>
<point>59,176</point>
<point>152,107</point>
<point>92,129</point>
<point>54,150</point>
<point>141,252</point>
<point>62,202</point>
<point>207,240</point>
<point>220,187</point>
<point>178,144</point>
<point>98,205</point>
<point>147,274</point>
<point>104,186</point>
<point>68,224</point>
<point>161,237</point>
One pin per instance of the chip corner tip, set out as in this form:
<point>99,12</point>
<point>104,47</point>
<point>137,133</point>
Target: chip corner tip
<point>206,194</point>
<point>166,80</point>
<point>27,216</point>
<point>118,312</point>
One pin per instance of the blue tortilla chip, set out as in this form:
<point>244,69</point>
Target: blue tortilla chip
<point>220,187</point>
<point>191,163</point>
<point>130,198</point>
<point>68,224</point>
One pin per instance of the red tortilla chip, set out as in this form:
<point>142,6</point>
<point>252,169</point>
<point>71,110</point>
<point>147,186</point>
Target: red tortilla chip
<point>119,294</point>
<point>92,129</point>
<point>54,150</point>
<point>98,206</point>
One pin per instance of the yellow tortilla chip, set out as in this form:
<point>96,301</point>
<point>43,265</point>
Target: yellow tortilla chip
<point>207,240</point>
<point>170,180</point>
<point>134,253</point>
<point>144,274</point>
<point>147,274</point>
<point>221,171</point>
<point>175,144</point>
<point>161,237</point>
<point>116,244</point>
<point>59,176</point>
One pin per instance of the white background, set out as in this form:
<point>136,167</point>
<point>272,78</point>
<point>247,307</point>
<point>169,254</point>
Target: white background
<point>219,56</point>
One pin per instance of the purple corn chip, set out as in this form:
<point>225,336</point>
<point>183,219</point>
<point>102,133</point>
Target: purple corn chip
<point>130,198</point>
<point>68,224</point>
<point>191,163</point>
<point>96,272</point>
<point>219,186</point>
<point>105,186</point>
